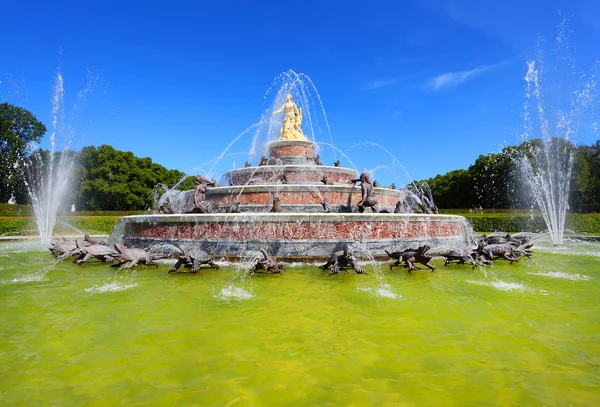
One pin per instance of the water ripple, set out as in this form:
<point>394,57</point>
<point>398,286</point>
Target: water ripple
<point>500,285</point>
<point>561,274</point>
<point>110,287</point>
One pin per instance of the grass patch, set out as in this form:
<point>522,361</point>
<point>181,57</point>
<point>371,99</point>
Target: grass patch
<point>24,226</point>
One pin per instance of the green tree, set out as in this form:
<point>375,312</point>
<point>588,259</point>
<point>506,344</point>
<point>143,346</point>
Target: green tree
<point>109,179</point>
<point>18,130</point>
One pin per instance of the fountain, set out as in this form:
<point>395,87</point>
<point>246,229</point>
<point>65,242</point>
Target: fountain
<point>297,209</point>
<point>547,165</point>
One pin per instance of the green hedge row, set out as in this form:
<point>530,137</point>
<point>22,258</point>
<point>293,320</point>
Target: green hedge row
<point>22,226</point>
<point>577,223</point>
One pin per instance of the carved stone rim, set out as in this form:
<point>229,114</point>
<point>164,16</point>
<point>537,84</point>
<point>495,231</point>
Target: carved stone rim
<point>276,169</point>
<point>272,188</point>
<point>282,217</point>
<point>279,143</point>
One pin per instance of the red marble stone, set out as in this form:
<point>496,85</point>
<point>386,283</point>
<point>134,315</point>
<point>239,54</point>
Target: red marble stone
<point>301,197</point>
<point>292,151</point>
<point>287,230</point>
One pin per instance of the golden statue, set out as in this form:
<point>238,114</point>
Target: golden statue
<point>291,126</point>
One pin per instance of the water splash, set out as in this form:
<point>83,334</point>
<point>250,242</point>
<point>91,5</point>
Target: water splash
<point>563,275</point>
<point>48,173</point>
<point>500,285</point>
<point>239,285</point>
<point>112,287</point>
<point>304,92</point>
<point>554,120</point>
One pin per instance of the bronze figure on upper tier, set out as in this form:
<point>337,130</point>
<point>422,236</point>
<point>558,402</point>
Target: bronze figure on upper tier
<point>368,193</point>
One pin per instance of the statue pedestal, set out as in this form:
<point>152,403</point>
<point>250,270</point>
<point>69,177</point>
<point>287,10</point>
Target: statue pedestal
<point>292,152</point>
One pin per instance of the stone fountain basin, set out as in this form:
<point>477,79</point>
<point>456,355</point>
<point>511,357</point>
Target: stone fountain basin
<point>292,236</point>
<point>295,174</point>
<point>304,194</point>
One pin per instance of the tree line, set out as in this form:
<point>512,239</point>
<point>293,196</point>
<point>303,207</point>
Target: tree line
<point>495,181</point>
<point>106,179</point>
<point>103,178</point>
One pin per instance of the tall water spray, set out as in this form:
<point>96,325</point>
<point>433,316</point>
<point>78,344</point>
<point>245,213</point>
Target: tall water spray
<point>556,99</point>
<point>48,172</point>
<point>306,96</point>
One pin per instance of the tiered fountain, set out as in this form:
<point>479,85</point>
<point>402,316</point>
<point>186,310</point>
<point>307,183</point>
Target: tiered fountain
<point>293,206</point>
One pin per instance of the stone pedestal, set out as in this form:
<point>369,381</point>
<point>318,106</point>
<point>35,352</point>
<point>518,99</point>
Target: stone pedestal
<point>291,152</point>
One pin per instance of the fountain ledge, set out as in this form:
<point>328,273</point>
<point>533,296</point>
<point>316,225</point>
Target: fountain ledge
<point>295,236</point>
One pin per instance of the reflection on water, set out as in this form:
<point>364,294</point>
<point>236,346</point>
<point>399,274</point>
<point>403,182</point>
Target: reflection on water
<point>520,334</point>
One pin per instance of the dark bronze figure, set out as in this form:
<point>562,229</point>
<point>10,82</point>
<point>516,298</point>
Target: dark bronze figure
<point>411,256</point>
<point>276,205</point>
<point>201,205</point>
<point>267,263</point>
<point>326,180</point>
<point>193,258</point>
<point>368,199</point>
<point>341,260</point>
<point>326,206</point>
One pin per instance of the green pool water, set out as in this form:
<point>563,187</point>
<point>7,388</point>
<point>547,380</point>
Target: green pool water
<point>526,334</point>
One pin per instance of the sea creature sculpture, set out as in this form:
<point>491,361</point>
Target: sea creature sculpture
<point>267,263</point>
<point>368,199</point>
<point>411,256</point>
<point>90,240</point>
<point>460,255</point>
<point>167,250</point>
<point>337,163</point>
<point>500,251</point>
<point>98,251</point>
<point>376,184</point>
<point>200,204</point>
<point>326,180</point>
<point>193,258</point>
<point>318,160</point>
<point>247,164</point>
<point>398,208</point>
<point>132,257</point>
<point>63,247</point>
<point>263,161</point>
<point>341,260</point>
<point>326,206</point>
<point>234,207</point>
<point>392,186</point>
<point>498,239</point>
<point>276,205</point>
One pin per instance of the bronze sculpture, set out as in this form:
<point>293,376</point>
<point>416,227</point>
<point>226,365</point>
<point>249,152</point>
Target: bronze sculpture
<point>200,204</point>
<point>276,208</point>
<point>326,180</point>
<point>368,199</point>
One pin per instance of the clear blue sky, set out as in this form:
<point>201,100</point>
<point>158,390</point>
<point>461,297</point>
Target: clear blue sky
<point>435,82</point>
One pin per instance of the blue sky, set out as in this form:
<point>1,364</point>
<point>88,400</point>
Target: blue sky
<point>435,82</point>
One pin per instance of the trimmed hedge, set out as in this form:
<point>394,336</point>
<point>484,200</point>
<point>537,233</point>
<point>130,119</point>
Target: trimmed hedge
<point>22,226</point>
<point>577,223</point>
